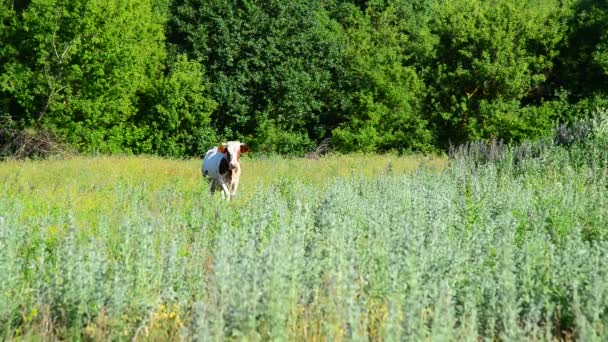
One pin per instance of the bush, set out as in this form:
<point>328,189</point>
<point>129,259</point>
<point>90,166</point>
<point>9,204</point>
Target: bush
<point>32,143</point>
<point>176,112</point>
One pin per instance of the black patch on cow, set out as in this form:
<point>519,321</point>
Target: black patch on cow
<point>229,157</point>
<point>224,166</point>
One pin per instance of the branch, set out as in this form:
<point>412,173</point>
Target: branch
<point>53,91</point>
<point>67,48</point>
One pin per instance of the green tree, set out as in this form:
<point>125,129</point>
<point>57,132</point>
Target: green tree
<point>582,67</point>
<point>7,53</point>
<point>382,92</point>
<point>176,112</point>
<point>8,18</point>
<point>79,65</point>
<point>491,59</point>
<point>270,66</point>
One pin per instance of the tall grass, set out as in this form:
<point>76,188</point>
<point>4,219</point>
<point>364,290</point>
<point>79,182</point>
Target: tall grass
<point>342,248</point>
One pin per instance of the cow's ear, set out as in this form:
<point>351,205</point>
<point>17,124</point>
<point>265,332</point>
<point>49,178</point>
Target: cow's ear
<point>244,148</point>
<point>222,148</point>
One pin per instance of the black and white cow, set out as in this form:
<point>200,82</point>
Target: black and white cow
<point>222,165</point>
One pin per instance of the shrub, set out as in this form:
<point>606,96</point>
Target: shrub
<point>32,143</point>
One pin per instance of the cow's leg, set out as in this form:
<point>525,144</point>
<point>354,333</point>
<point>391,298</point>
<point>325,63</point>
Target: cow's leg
<point>226,191</point>
<point>212,186</point>
<point>235,186</point>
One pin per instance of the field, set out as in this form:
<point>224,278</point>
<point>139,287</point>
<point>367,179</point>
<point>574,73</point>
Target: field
<point>354,247</point>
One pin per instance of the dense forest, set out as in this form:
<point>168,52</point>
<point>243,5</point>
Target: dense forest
<point>173,77</point>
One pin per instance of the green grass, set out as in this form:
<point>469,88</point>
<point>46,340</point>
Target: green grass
<point>92,188</point>
<point>353,247</point>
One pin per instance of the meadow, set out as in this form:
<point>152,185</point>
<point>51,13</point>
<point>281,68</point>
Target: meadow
<point>346,247</point>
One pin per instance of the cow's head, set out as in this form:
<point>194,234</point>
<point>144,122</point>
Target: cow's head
<point>233,150</point>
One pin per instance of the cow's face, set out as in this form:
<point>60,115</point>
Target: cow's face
<point>233,150</point>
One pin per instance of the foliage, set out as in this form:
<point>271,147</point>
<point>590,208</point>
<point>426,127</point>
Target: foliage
<point>174,77</point>
<point>269,63</point>
<point>79,66</point>
<point>382,94</point>
<point>581,65</point>
<point>492,58</point>
<point>176,112</point>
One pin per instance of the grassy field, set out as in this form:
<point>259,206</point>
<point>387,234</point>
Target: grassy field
<point>90,189</point>
<point>355,247</point>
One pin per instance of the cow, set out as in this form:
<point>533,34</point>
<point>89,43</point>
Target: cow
<point>222,166</point>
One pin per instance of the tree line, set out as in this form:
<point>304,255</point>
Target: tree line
<point>173,77</point>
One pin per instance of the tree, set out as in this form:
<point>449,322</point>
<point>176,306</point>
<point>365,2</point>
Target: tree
<point>270,66</point>
<point>582,67</point>
<point>8,52</point>
<point>491,59</point>
<point>382,93</point>
<point>176,112</point>
<point>79,65</point>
